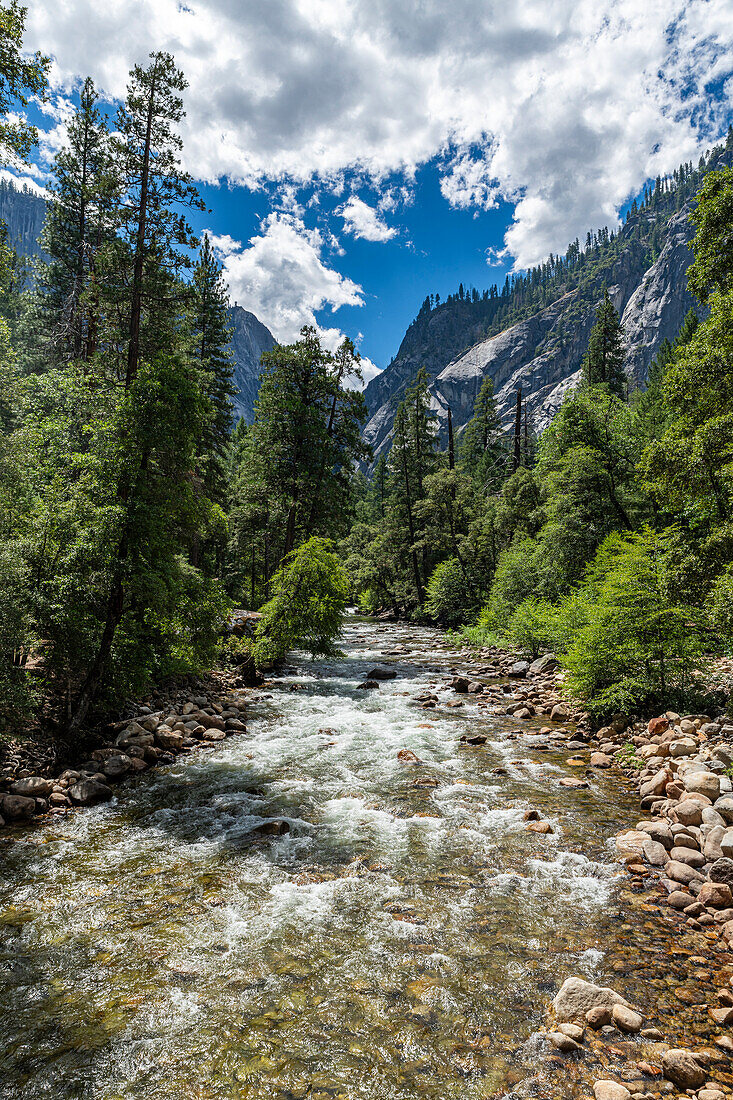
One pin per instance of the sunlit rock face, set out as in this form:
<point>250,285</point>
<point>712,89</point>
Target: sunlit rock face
<point>542,353</point>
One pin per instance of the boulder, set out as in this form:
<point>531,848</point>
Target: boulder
<point>168,739</point>
<point>705,783</point>
<point>683,747</point>
<point>89,791</point>
<point>610,1090</point>
<point>680,872</point>
<point>16,807</point>
<point>656,784</point>
<point>519,668</point>
<point>722,871</point>
<point>716,895</point>
<point>381,674</point>
<point>116,766</point>
<point>726,843</point>
<point>683,1069</point>
<point>576,997</point>
<point>213,734</point>
<point>460,684</point>
<point>33,786</point>
<point>658,725</point>
<point>688,812</point>
<point>559,713</point>
<point>655,853</point>
<point>368,685</point>
<point>626,1019</point>
<point>548,663</point>
<point>724,807</point>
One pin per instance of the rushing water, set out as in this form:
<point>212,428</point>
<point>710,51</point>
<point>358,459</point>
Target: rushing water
<point>401,941</point>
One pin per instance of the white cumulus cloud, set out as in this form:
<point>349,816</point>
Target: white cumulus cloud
<point>362,220</point>
<point>561,107</point>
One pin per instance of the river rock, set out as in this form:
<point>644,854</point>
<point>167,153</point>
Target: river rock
<point>690,856</point>
<point>16,807</point>
<point>610,1090</point>
<point>519,668</point>
<point>559,713</point>
<point>368,685</point>
<point>213,733</point>
<point>684,747</point>
<point>724,806</point>
<point>656,784</point>
<point>548,663</point>
<point>576,997</point>
<point>659,831</point>
<point>460,684</point>
<point>680,872</point>
<point>272,828</point>
<point>626,1019</point>
<point>88,791</point>
<point>114,767</point>
<point>706,783</point>
<point>381,674</point>
<point>408,757</point>
<point>688,812</point>
<point>33,786</point>
<point>574,1031</point>
<point>658,725</point>
<point>563,1042</point>
<point>600,760</point>
<point>682,1069</point>
<point>726,843</point>
<point>168,739</point>
<point>679,900</point>
<point>722,871</point>
<point>655,852</point>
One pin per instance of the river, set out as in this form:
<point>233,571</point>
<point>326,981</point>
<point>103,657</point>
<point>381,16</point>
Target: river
<point>402,940</point>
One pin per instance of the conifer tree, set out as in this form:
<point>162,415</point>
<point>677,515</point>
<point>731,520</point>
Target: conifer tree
<point>482,453</point>
<point>81,220</point>
<point>155,236</point>
<point>603,362</point>
<point>212,338</point>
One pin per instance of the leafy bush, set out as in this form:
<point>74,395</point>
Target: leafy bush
<point>310,592</point>
<point>449,595</point>
<point>637,646</point>
<point>532,626</point>
<point>721,608</point>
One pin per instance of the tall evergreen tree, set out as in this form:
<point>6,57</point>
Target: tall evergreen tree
<point>482,452</point>
<point>81,220</point>
<point>603,362</point>
<point>212,346</point>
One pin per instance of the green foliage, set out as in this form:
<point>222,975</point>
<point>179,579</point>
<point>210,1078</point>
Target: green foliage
<point>628,757</point>
<point>720,607</point>
<point>446,593</point>
<point>531,626</point>
<point>310,592</point>
<point>295,476</point>
<point>21,77</point>
<point>638,646</point>
<point>603,362</point>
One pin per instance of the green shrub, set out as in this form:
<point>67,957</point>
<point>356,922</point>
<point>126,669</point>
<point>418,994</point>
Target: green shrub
<point>637,647</point>
<point>310,592</point>
<point>720,608</point>
<point>532,626</point>
<point>449,594</point>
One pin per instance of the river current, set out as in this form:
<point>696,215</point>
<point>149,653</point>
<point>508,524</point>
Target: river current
<point>402,940</point>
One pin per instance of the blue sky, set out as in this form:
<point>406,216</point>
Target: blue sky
<point>360,154</point>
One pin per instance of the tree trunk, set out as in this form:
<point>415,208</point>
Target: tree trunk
<point>133,348</point>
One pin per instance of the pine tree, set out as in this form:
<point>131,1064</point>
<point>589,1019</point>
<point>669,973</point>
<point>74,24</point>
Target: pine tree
<point>155,236</point>
<point>603,362</point>
<point>212,336</point>
<point>481,451</point>
<point>80,222</point>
